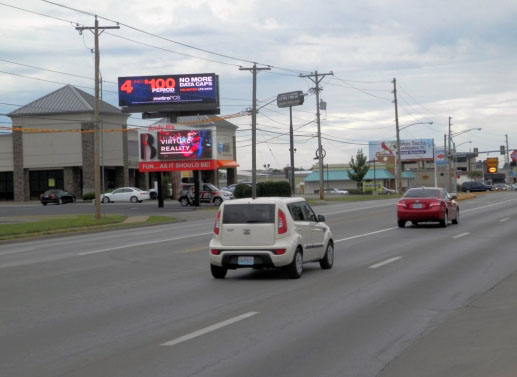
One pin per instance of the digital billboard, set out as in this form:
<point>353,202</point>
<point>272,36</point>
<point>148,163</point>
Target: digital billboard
<point>188,92</point>
<point>176,148</point>
<point>410,150</point>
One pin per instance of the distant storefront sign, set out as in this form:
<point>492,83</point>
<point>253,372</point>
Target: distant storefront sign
<point>439,155</point>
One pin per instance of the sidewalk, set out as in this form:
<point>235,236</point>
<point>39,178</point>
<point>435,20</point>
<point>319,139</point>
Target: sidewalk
<point>480,340</point>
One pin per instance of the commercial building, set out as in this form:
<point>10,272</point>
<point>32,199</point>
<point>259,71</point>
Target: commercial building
<point>52,146</point>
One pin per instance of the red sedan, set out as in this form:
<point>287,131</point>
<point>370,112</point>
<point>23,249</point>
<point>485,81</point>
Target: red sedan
<point>427,204</point>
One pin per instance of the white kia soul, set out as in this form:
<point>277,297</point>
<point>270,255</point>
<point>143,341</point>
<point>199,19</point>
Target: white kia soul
<point>269,232</point>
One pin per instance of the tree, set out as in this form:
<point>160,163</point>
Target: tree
<point>359,167</point>
<point>473,174</point>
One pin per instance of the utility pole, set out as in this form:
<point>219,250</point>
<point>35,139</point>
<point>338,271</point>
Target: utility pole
<point>254,70</point>
<point>398,165</point>
<point>449,183</point>
<point>316,80</point>
<point>507,153</point>
<point>95,29</point>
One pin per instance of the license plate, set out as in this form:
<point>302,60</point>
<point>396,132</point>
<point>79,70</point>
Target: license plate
<point>418,205</point>
<point>245,261</point>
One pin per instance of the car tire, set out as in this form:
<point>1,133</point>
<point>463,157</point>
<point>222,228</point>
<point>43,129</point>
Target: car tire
<point>59,201</point>
<point>414,222</point>
<point>184,201</point>
<point>443,223</point>
<point>457,219</point>
<point>44,204</point>
<point>218,272</point>
<point>105,199</point>
<point>401,223</point>
<point>328,259</point>
<point>153,195</point>
<point>295,269</point>
<point>217,201</point>
<point>133,199</point>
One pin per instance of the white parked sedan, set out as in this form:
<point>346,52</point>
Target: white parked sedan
<point>269,232</point>
<point>336,191</point>
<point>126,194</point>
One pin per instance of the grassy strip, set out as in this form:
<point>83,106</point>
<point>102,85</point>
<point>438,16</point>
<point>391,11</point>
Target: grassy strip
<point>352,198</point>
<point>73,223</point>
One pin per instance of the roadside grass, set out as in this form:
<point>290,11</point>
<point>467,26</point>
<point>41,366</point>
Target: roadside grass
<point>351,198</point>
<point>73,223</point>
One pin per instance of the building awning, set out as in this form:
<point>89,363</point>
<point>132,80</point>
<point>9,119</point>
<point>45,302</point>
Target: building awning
<point>227,164</point>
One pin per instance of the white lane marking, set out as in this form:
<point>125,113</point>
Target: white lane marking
<point>208,329</point>
<point>387,261</point>
<point>18,251</point>
<point>461,235</point>
<point>364,235</point>
<point>143,243</point>
<point>505,219</point>
<point>488,205</point>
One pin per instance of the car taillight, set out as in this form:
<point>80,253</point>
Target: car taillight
<point>279,251</point>
<point>282,222</point>
<point>217,222</point>
<point>53,196</point>
<point>214,251</point>
<point>402,204</point>
<point>435,203</point>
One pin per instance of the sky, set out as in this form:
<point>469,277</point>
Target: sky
<point>450,58</point>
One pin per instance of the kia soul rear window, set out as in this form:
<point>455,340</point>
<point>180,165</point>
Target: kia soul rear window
<point>249,214</point>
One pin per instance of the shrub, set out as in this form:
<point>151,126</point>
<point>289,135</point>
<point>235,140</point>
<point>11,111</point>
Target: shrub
<point>242,190</point>
<point>89,196</point>
<point>282,188</point>
<point>357,192</point>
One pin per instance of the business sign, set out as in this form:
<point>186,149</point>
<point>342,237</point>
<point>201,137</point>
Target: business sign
<point>189,92</point>
<point>410,150</point>
<point>170,147</point>
<point>440,157</point>
<point>290,99</point>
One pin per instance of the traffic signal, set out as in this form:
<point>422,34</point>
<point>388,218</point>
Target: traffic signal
<point>501,149</point>
<point>475,152</point>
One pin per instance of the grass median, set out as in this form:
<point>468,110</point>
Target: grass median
<point>49,225</point>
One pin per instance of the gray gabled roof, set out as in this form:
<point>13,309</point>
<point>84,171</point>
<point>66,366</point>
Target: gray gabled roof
<point>67,100</point>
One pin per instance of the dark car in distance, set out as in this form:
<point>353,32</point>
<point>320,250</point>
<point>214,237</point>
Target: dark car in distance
<point>56,196</point>
<point>475,186</point>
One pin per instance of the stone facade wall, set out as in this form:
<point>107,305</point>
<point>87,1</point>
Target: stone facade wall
<point>20,177</point>
<point>72,181</point>
<point>88,157</point>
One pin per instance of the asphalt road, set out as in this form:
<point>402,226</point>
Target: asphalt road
<point>141,301</point>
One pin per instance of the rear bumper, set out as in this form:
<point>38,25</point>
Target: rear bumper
<point>433,214</point>
<point>262,258</point>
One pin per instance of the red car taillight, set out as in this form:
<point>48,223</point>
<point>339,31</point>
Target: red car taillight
<point>53,196</point>
<point>282,222</point>
<point>214,251</point>
<point>217,222</point>
<point>402,204</point>
<point>435,203</point>
<point>279,251</point>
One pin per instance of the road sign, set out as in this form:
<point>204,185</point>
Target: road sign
<point>290,99</point>
<point>514,155</point>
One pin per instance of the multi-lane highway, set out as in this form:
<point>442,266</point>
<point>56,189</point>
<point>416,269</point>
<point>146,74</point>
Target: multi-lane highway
<point>142,302</point>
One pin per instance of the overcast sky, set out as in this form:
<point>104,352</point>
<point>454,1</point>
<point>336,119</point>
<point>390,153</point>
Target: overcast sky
<point>450,58</point>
